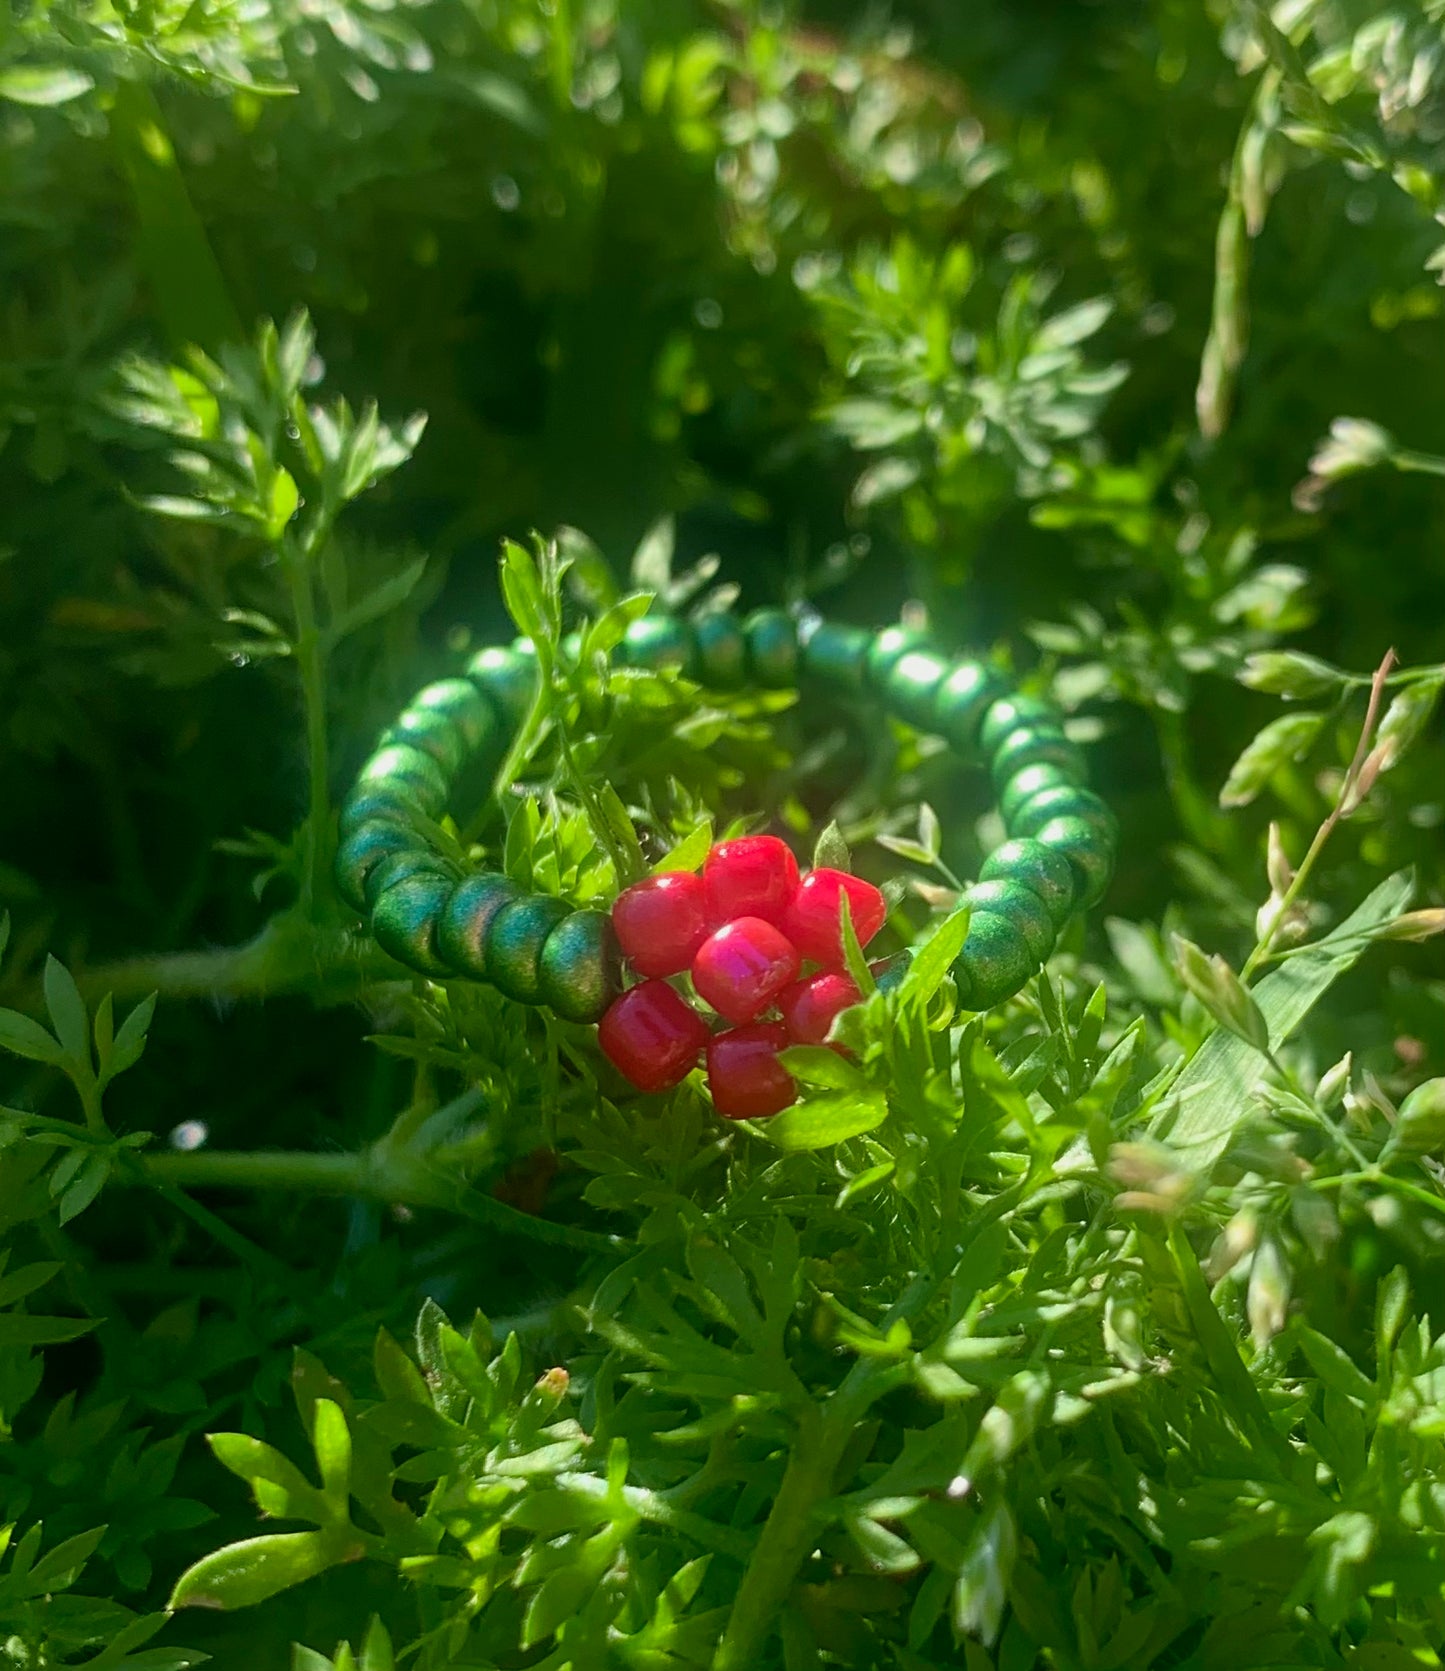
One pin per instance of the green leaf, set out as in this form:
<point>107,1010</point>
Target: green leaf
<point>332,1440</point>
<point>522,590</point>
<point>1335,1368</point>
<point>43,84</point>
<point>86,1187</point>
<point>279,1486</point>
<point>689,852</point>
<point>247,1573</point>
<point>67,1012</point>
<point>652,561</point>
<point>817,1064</point>
<point>934,958</point>
<point>825,1120</point>
<point>1222,993</point>
<point>1214,1093</point>
<point>981,1588</point>
<point>19,1329</point>
<point>130,1039</point>
<point>23,1037</point>
<point>378,603</point>
<point>1280,742</point>
<point>831,851</point>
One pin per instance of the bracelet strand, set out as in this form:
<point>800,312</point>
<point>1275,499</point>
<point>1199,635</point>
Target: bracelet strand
<point>536,949</point>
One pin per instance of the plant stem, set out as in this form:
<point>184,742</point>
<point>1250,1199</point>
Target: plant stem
<point>790,1531</point>
<point>311,664</point>
<point>1343,804</point>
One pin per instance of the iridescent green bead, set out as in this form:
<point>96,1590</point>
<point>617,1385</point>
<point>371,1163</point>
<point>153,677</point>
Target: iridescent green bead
<point>1062,801</point>
<point>995,962</point>
<point>1022,908</point>
<point>417,860</point>
<point>404,920</point>
<point>889,973</point>
<point>722,651</point>
<point>515,941</point>
<point>835,653</point>
<point>507,677</point>
<point>1035,746</point>
<point>772,637</point>
<point>1027,783</point>
<point>459,701</point>
<point>363,849</point>
<point>581,967</point>
<point>400,763</point>
<point>467,917</point>
<point>431,732</point>
<point>889,647</point>
<point>1008,713</point>
<point>393,802</point>
<point>1043,871</point>
<point>1090,852</point>
<point>912,684</point>
<point>658,641</point>
<point>963,699</point>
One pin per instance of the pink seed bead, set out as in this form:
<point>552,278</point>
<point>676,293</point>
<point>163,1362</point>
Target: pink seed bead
<point>652,1036</point>
<point>810,1006</point>
<point>741,968</point>
<point>814,919</point>
<point>753,876</point>
<point>746,1079</point>
<point>661,921</point>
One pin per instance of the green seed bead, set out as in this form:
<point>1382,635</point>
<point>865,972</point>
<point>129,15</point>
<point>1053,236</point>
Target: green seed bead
<point>1035,746</point>
<point>835,653</point>
<point>1062,801</point>
<point>581,967</point>
<point>397,867</point>
<point>1022,908</point>
<point>1043,871</point>
<point>658,641</point>
<point>467,918</point>
<point>889,974</point>
<point>404,920</point>
<point>995,962</point>
<point>363,850</point>
<point>459,701</point>
<point>507,677</point>
<point>912,684</point>
<point>392,802</point>
<point>772,639</point>
<point>889,647</point>
<point>431,732</point>
<point>515,941</point>
<point>419,772</point>
<point>963,699</point>
<point>1008,713</point>
<point>1089,852</point>
<point>1027,783</point>
<point>722,651</point>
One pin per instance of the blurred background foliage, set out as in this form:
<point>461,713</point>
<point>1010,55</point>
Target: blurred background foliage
<point>1036,312</point>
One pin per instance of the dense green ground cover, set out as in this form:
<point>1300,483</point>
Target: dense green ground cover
<point>1107,333</point>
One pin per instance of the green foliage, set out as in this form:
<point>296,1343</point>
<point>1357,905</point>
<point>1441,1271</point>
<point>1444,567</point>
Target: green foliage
<point>1098,1333</point>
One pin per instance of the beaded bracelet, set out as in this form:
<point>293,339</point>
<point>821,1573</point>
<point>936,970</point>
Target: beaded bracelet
<point>745,928</point>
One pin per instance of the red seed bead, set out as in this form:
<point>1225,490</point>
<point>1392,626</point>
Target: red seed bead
<point>814,922</point>
<point>753,876</point>
<point>746,1079</point>
<point>652,1036</point>
<point>661,921</point>
<point>810,1006</point>
<point>741,968</point>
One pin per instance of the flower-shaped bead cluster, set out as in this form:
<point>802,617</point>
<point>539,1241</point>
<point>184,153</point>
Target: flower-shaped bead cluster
<point>762,947</point>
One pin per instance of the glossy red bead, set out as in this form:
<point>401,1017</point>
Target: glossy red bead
<point>813,922</point>
<point>743,966</point>
<point>746,1079</point>
<point>652,1036</point>
<point>809,1006</point>
<point>661,921</point>
<point>753,876</point>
